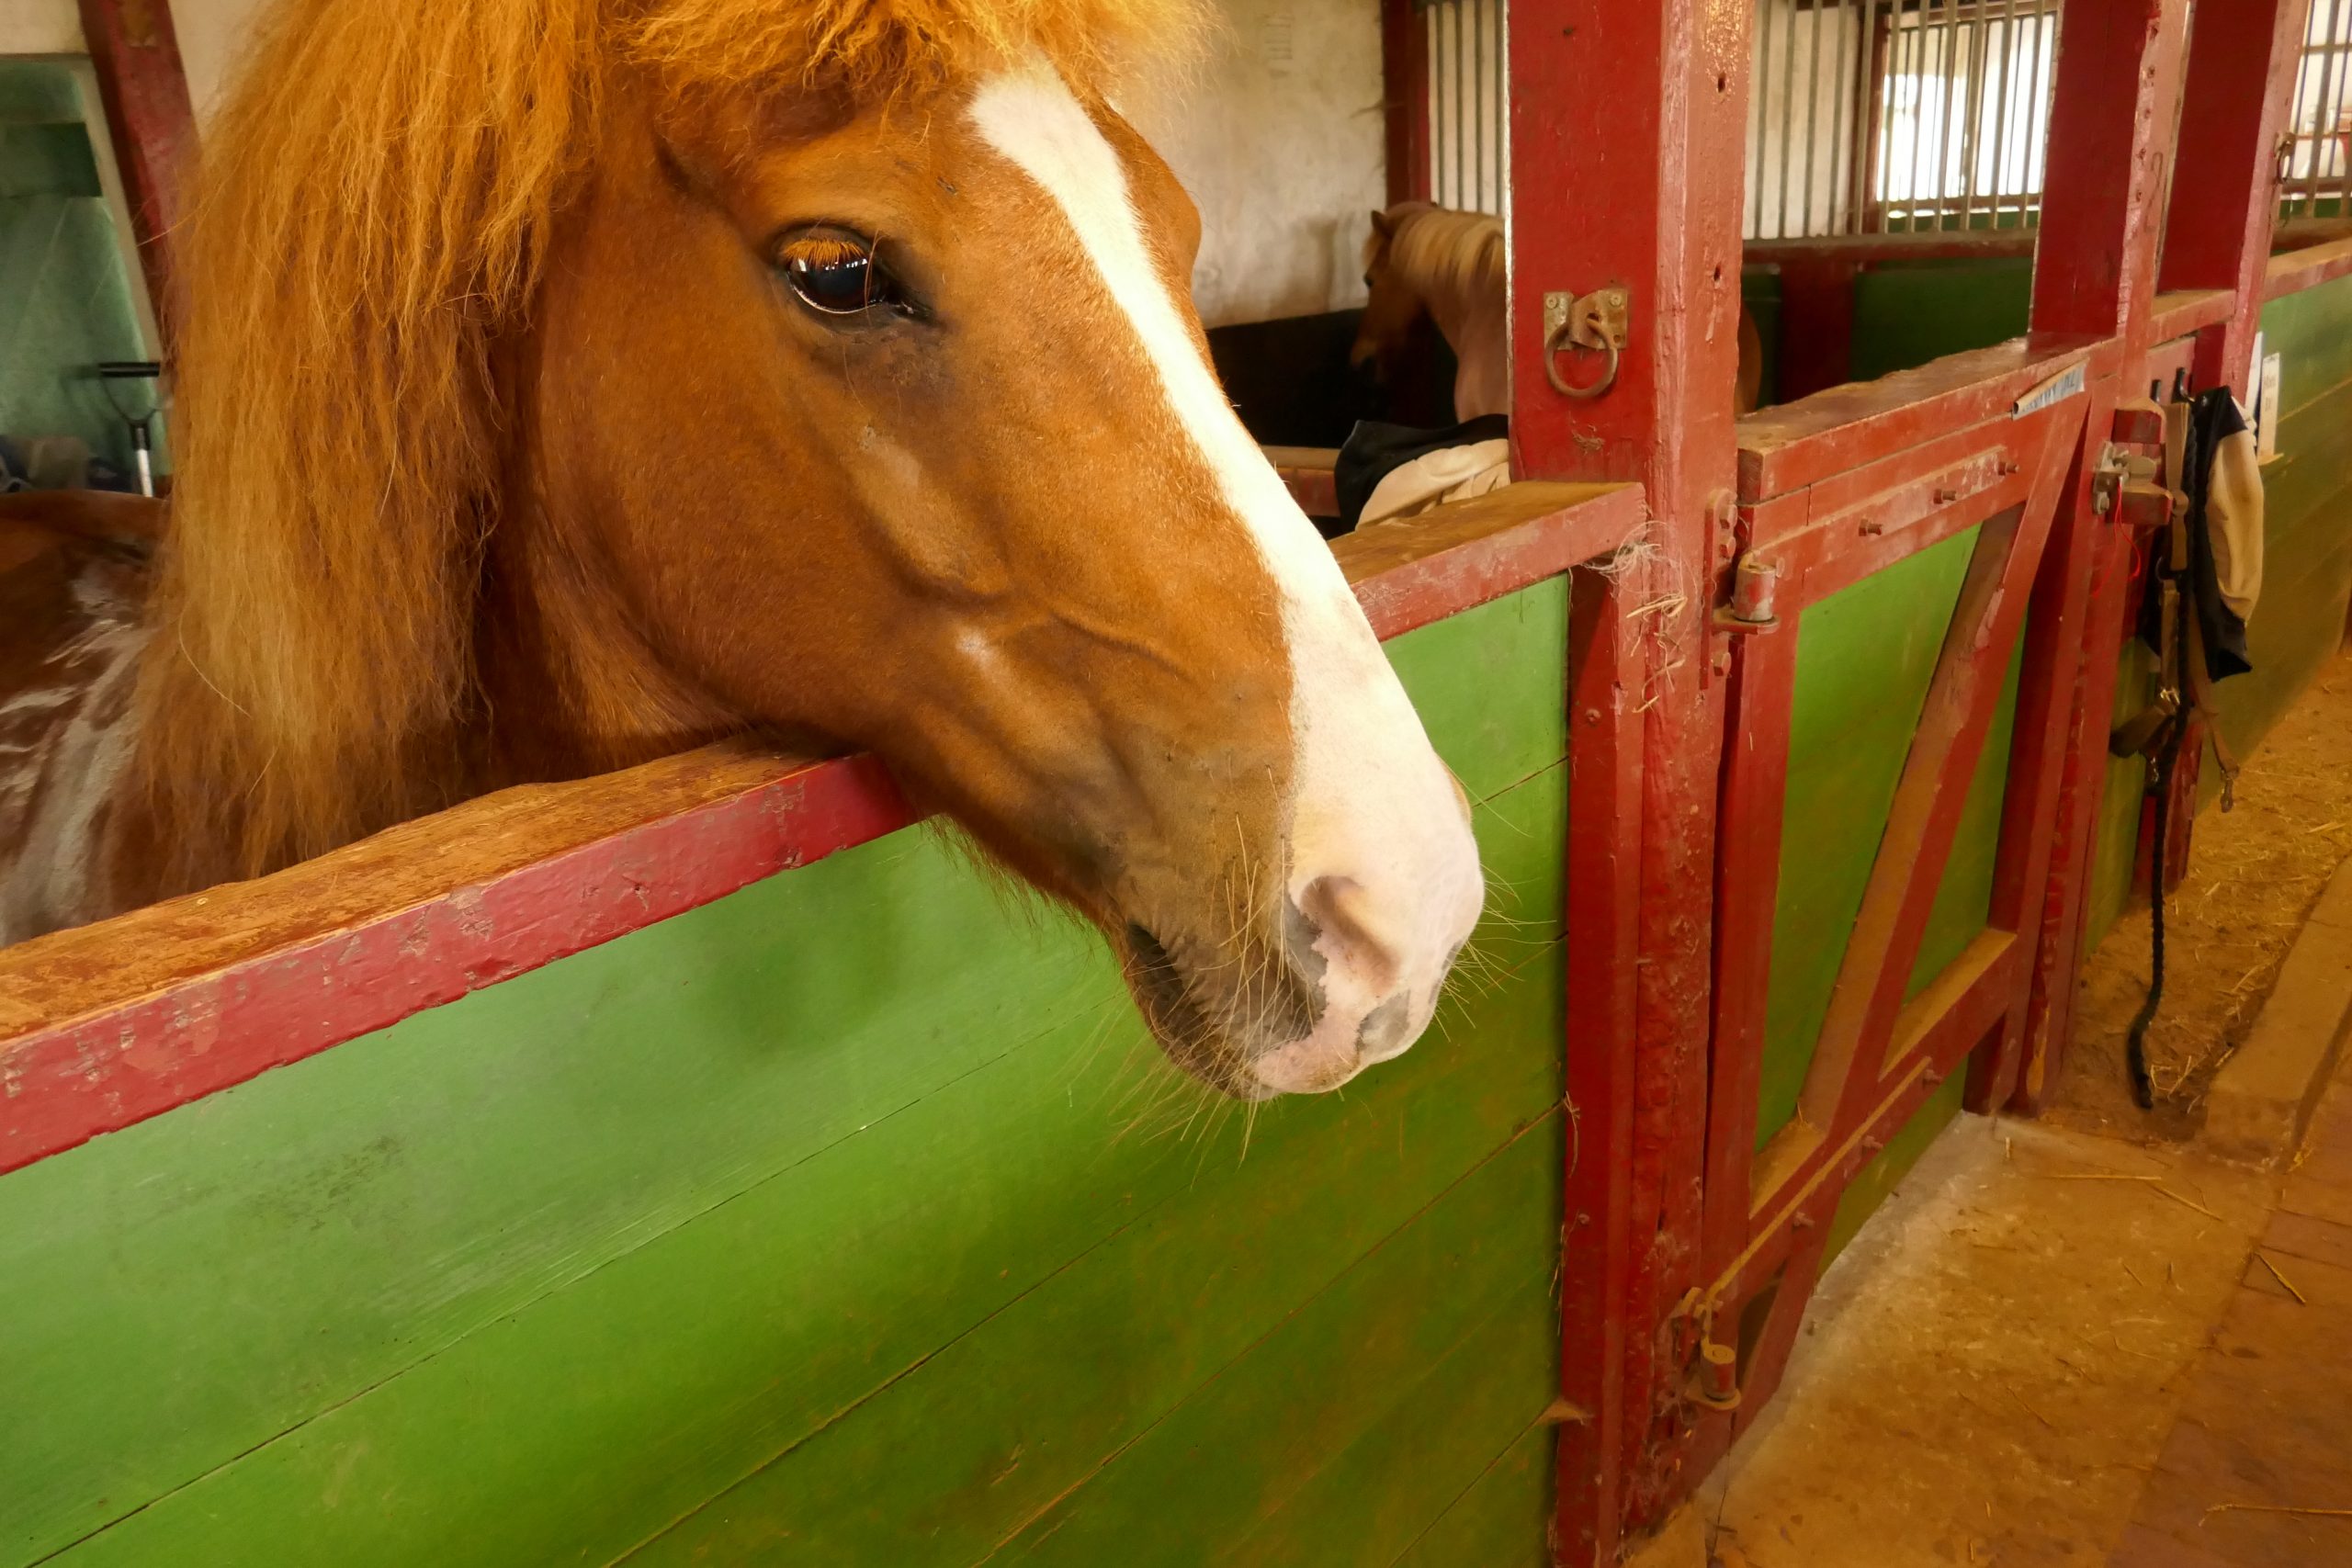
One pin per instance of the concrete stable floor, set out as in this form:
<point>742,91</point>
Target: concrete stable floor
<point>2055,1349</point>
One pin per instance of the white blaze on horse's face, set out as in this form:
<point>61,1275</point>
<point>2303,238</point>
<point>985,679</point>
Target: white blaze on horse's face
<point>1381,876</point>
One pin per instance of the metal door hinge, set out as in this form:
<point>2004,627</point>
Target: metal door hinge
<point>1754,585</point>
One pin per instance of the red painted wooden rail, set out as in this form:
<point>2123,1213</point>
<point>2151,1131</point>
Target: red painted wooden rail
<point>2292,272</point>
<point>136,56</point>
<point>108,1025</point>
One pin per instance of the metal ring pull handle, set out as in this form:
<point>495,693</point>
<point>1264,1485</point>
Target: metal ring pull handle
<point>1596,320</point>
<point>1562,337</point>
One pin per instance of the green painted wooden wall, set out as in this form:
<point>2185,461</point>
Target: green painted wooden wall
<point>1909,314</point>
<point>1906,313</point>
<point>1865,657</point>
<point>65,289</point>
<point>850,1219</point>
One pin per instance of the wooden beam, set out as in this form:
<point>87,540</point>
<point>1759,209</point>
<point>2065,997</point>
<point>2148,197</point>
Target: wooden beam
<point>1783,448</point>
<point>108,1024</point>
<point>2118,87</point>
<point>2292,272</point>
<point>1817,326</point>
<point>136,56</point>
<point>2112,107</point>
<point>1418,569</point>
<point>2180,311</point>
<point>2049,671</point>
<point>1404,98</point>
<point>1747,886</point>
<point>1903,245</point>
<point>2241,73</point>
<point>1307,472</point>
<point>1608,671</point>
<point>1626,128</point>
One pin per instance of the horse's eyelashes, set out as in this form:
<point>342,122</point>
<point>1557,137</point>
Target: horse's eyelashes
<point>838,275</point>
<point>840,286</point>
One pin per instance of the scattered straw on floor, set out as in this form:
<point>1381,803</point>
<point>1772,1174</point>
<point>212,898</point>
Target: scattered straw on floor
<point>2253,877</point>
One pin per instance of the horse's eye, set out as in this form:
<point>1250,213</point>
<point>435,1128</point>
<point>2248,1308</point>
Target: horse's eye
<point>836,276</point>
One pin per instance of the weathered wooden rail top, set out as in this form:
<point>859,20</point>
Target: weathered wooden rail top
<point>109,1024</point>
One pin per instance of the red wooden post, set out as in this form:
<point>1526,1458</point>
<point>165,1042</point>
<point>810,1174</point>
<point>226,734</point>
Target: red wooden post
<point>2111,120</point>
<point>2226,184</point>
<point>1626,136</point>
<point>1404,98</point>
<point>1816,325</point>
<point>2217,235</point>
<point>136,56</point>
<point>1607,670</point>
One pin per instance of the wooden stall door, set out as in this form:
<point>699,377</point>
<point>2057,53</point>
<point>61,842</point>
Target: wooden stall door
<point>1953,476</point>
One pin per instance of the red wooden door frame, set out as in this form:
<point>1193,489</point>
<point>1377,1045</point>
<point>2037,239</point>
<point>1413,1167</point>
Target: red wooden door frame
<point>136,52</point>
<point>2113,110</point>
<point>1404,98</point>
<point>1663,86</point>
<point>2234,102</point>
<point>1942,453</point>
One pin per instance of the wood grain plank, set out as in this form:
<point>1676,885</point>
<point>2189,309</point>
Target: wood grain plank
<point>2294,271</point>
<point>968,1450</point>
<point>1809,440</point>
<point>1416,569</point>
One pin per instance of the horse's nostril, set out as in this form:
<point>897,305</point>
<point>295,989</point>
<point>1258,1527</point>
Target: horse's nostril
<point>1332,908</point>
<point>1385,1031</point>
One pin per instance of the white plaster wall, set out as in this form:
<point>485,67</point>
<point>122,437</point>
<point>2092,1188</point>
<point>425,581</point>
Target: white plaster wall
<point>212,34</point>
<point>1278,135</point>
<point>40,27</point>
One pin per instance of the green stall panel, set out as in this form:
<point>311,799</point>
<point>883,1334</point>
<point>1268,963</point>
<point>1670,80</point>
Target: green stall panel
<point>1910,313</point>
<point>1865,658</point>
<point>848,1220</point>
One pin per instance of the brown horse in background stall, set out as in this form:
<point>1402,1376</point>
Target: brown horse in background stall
<point>567,382</point>
<point>1453,267</point>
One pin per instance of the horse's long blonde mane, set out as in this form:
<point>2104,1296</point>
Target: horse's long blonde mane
<point>375,201</point>
<point>1441,250</point>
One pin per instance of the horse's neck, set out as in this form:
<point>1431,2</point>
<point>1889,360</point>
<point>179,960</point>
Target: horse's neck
<point>570,687</point>
<point>1474,319</point>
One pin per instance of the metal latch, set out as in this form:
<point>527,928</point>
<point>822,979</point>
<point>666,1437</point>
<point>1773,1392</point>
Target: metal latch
<point>1755,583</point>
<point>1711,1369</point>
<point>1596,320</point>
<point>2129,487</point>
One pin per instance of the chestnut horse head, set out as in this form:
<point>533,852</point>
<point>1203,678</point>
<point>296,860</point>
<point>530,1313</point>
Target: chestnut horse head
<point>569,381</point>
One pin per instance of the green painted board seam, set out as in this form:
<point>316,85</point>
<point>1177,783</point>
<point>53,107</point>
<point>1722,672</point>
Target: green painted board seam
<point>1476,1482</point>
<point>1272,1329</point>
